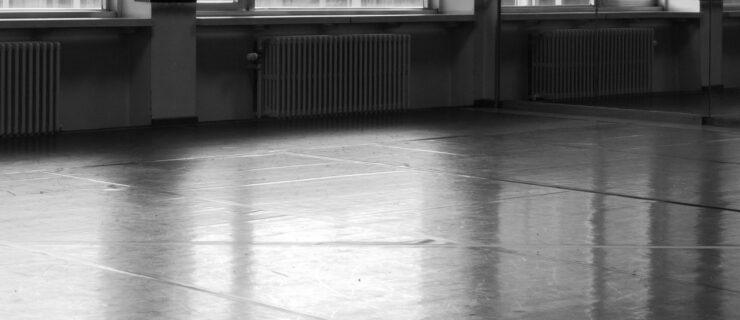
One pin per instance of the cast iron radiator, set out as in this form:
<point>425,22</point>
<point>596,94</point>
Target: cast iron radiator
<point>585,63</point>
<point>29,88</point>
<point>335,74</point>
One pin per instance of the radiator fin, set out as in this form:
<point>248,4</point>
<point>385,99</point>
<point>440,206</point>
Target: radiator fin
<point>29,88</point>
<point>586,63</point>
<point>324,75</point>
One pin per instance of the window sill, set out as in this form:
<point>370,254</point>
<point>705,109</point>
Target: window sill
<point>58,23</point>
<point>315,12</point>
<point>237,20</point>
<point>601,15</point>
<point>650,15</point>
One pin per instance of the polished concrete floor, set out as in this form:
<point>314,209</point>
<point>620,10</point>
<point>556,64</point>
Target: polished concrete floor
<point>453,214</point>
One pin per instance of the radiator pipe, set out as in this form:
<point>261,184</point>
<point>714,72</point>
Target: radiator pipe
<point>255,59</point>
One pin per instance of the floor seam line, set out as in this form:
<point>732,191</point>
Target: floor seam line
<point>503,250</point>
<point>161,280</point>
<point>524,182</point>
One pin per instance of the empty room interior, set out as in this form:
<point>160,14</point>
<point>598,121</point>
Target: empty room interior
<point>370,159</point>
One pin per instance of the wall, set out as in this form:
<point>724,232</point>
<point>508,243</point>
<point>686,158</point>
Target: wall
<point>444,63</point>
<point>677,65</point>
<point>225,85</point>
<point>173,61</point>
<point>101,72</point>
<point>731,53</point>
<point>119,77</point>
<point>96,67</point>
<point>107,73</point>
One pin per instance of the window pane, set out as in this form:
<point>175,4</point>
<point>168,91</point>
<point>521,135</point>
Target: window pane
<point>392,4</point>
<point>50,4</point>
<point>526,3</point>
<point>628,3</point>
<point>334,4</point>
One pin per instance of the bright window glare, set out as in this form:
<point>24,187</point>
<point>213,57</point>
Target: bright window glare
<point>51,4</point>
<point>527,3</point>
<point>336,4</point>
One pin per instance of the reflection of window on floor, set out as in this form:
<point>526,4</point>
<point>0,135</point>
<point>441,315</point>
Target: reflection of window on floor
<point>50,4</point>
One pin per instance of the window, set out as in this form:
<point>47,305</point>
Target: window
<point>217,1</point>
<point>340,4</point>
<point>610,4</point>
<point>47,5</point>
<point>528,3</point>
<point>314,4</point>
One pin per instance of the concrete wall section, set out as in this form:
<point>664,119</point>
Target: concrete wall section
<point>95,72</point>
<point>677,64</point>
<point>127,77</point>
<point>731,53</point>
<point>225,86</point>
<point>173,61</point>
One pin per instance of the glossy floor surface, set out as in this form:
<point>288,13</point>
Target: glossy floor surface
<point>431,215</point>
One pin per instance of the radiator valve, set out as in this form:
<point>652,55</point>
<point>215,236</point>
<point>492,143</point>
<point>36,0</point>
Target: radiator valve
<point>254,60</point>
<point>253,57</point>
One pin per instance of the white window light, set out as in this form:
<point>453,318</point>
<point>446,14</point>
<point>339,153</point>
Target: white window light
<point>49,5</point>
<point>339,4</point>
<point>322,4</point>
<point>535,3</point>
<point>634,4</point>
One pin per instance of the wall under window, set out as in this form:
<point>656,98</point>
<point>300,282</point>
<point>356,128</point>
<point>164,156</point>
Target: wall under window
<point>225,88</point>
<point>98,65</point>
<point>677,59</point>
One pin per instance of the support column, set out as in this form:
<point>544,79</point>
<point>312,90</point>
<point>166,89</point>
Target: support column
<point>486,37</point>
<point>711,43</point>
<point>173,61</point>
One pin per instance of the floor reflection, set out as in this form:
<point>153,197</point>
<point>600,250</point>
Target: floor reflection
<point>143,219</point>
<point>459,215</point>
<point>473,289</point>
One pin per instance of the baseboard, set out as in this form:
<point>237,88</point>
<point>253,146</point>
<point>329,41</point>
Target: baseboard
<point>714,88</point>
<point>169,122</point>
<point>485,103</point>
<point>722,121</point>
<point>603,112</point>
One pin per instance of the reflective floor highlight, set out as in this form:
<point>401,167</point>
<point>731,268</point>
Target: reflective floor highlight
<point>447,214</point>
